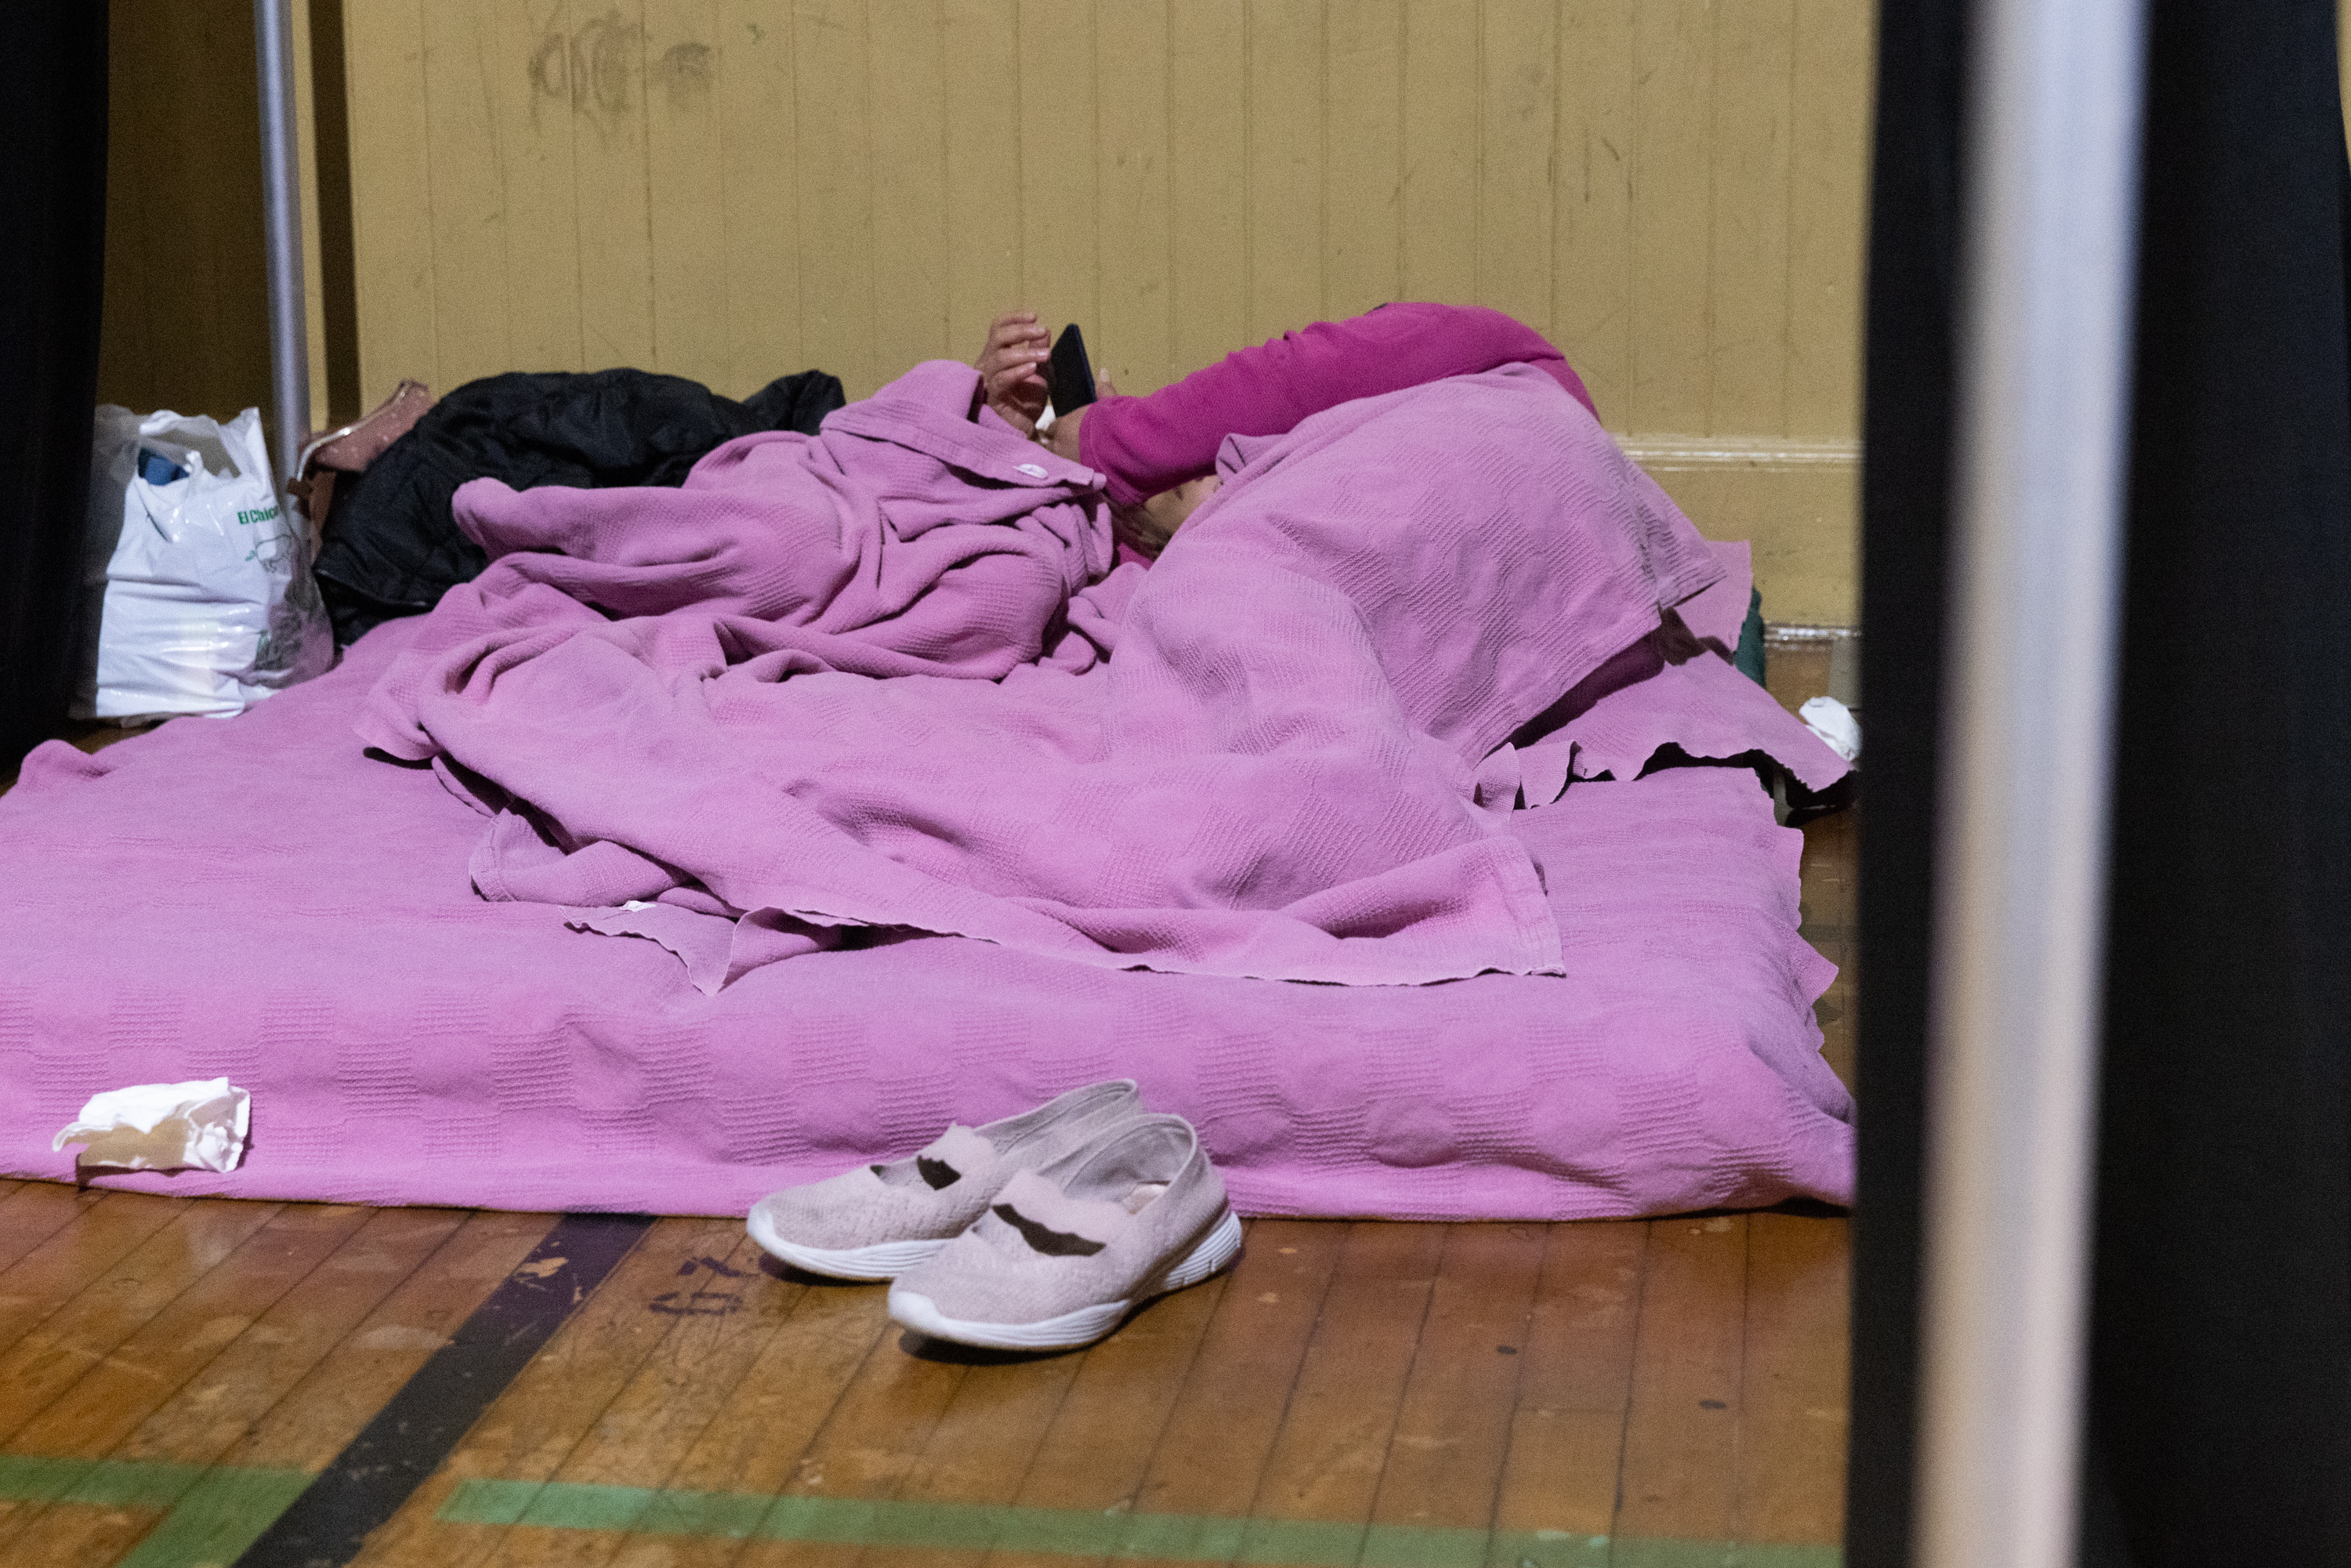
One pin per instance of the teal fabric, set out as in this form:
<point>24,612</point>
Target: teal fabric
<point>1749,657</point>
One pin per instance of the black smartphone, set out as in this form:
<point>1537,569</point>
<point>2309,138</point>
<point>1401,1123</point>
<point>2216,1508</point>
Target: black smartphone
<point>1068,376</point>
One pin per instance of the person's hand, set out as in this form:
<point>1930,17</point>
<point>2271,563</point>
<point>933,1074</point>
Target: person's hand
<point>1010,380</point>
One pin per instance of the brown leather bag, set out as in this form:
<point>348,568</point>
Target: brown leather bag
<point>350,449</point>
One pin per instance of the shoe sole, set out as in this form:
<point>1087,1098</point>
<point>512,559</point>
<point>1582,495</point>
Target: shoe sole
<point>884,1261</point>
<point>1209,1256</point>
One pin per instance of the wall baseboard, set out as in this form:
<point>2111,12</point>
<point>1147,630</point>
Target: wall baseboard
<point>1653,452</point>
<point>1829,657</point>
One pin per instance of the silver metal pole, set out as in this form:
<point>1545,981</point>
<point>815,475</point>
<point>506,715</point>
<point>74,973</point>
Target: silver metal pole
<point>281,209</point>
<point>2027,748</point>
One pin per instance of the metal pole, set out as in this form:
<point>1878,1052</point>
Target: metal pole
<point>281,209</point>
<point>2027,748</point>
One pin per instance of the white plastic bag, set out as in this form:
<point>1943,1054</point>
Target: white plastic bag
<point>198,590</point>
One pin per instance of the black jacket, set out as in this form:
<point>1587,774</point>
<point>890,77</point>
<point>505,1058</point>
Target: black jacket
<point>393,547</point>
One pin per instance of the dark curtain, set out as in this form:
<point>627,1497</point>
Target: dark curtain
<point>2219,1396</point>
<point>2220,1352</point>
<point>53,190</point>
<point>1914,245</point>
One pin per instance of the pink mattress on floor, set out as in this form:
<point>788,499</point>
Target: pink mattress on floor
<point>258,898</point>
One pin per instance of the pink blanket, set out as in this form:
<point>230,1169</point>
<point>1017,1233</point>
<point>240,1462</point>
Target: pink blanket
<point>256,898</point>
<point>1275,777</point>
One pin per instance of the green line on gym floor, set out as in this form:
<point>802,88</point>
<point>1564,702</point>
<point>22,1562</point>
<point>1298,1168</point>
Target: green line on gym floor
<point>1171,1537</point>
<point>214,1513</point>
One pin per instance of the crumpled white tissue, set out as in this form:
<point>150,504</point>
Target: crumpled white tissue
<point>163,1126</point>
<point>1835,724</point>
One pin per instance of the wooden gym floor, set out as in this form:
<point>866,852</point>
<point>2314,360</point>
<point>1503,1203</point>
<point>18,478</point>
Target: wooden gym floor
<point>1661,1394</point>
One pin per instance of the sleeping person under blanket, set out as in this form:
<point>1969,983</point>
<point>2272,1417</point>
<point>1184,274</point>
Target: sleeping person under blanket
<point>1160,450</point>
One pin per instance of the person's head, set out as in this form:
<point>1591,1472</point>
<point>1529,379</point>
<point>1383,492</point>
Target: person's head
<point>1146,528</point>
<point>1149,526</point>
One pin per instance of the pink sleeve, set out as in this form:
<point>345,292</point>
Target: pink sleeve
<point>1147,444</point>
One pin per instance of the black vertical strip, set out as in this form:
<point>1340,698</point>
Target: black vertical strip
<point>1914,269</point>
<point>2219,1389</point>
<point>373,1476</point>
<point>337,282</point>
<point>53,81</point>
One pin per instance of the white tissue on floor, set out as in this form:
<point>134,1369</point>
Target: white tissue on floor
<point>163,1126</point>
<point>1835,724</point>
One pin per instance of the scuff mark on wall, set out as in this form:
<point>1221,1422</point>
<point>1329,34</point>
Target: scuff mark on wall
<point>595,69</point>
<point>686,69</point>
<point>606,55</point>
<point>551,71</point>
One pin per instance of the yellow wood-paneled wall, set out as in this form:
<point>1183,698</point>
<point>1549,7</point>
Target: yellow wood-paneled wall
<point>732,190</point>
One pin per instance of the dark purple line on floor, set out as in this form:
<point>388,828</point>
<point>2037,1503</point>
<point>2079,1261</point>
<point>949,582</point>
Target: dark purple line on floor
<point>367,1483</point>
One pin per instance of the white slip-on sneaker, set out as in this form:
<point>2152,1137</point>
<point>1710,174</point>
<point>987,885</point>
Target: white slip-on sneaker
<point>1065,1251</point>
<point>877,1221</point>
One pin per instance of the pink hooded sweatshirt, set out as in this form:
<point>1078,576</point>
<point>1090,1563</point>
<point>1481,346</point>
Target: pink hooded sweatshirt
<point>1147,444</point>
